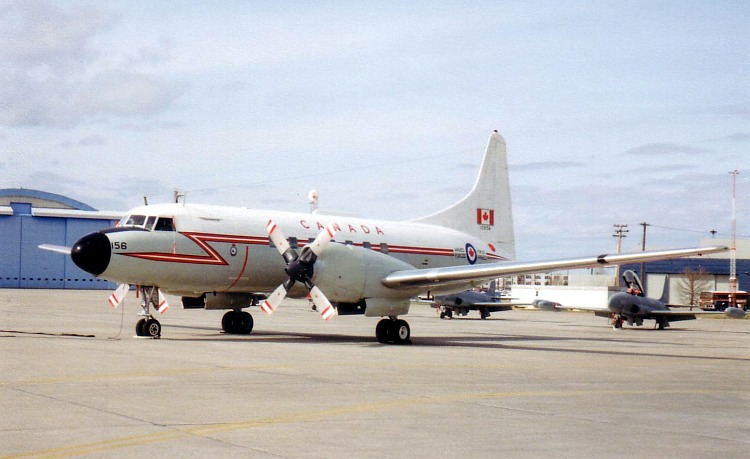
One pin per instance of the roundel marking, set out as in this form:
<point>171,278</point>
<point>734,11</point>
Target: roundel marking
<point>471,253</point>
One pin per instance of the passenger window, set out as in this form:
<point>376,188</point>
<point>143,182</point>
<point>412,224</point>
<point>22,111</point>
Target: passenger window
<point>164,224</point>
<point>383,247</point>
<point>367,245</point>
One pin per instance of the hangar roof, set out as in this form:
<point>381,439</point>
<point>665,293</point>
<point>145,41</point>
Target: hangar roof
<point>40,199</point>
<point>43,204</point>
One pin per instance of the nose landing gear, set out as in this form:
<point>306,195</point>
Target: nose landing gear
<point>148,326</point>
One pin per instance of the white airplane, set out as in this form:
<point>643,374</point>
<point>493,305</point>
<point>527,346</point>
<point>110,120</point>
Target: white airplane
<point>229,258</point>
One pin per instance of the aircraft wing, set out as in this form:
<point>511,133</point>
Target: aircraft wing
<point>461,274</point>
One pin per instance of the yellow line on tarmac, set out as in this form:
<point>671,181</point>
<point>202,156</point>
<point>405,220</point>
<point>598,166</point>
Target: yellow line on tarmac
<point>137,374</point>
<point>307,416</point>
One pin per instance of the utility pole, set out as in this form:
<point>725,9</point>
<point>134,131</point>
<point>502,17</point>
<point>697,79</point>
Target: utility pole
<point>620,230</point>
<point>643,249</point>
<point>733,249</point>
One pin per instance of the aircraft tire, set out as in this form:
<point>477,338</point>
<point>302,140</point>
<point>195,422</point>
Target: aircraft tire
<point>382,330</point>
<point>227,322</point>
<point>243,323</point>
<point>140,328</point>
<point>152,328</point>
<point>401,332</point>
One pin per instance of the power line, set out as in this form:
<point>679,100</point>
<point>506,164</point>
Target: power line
<point>686,230</point>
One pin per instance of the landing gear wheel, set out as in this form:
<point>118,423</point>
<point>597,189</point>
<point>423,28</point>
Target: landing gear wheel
<point>401,332</point>
<point>393,331</point>
<point>237,322</point>
<point>152,328</point>
<point>382,330</point>
<point>227,322</point>
<point>139,328</point>
<point>244,323</point>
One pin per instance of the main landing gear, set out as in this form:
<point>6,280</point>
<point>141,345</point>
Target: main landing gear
<point>148,326</point>
<point>393,330</point>
<point>237,322</point>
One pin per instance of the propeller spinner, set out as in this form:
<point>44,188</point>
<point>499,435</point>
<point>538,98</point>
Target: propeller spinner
<point>299,268</point>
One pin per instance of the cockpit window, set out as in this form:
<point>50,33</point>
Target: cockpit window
<point>135,220</point>
<point>150,222</point>
<point>164,224</point>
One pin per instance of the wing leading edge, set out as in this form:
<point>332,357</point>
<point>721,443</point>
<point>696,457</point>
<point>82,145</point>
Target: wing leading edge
<point>458,274</point>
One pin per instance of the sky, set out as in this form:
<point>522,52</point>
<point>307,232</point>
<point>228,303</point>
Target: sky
<point>613,112</point>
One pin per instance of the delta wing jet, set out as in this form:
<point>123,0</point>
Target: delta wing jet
<point>231,258</point>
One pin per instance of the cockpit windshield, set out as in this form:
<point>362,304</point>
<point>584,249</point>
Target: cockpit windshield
<point>148,222</point>
<point>135,220</point>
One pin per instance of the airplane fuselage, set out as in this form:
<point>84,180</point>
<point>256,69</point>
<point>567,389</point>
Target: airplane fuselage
<point>189,249</point>
<point>635,306</point>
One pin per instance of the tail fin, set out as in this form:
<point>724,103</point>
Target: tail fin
<point>492,289</point>
<point>486,211</point>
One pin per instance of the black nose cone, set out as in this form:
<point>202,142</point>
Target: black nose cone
<point>92,253</point>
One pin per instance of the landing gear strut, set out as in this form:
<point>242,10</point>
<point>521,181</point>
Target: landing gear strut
<point>237,322</point>
<point>148,326</point>
<point>393,330</point>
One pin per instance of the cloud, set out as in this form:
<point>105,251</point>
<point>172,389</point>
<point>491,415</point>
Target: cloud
<point>53,76</point>
<point>38,33</point>
<point>544,165</point>
<point>666,148</point>
<point>738,137</point>
<point>88,141</point>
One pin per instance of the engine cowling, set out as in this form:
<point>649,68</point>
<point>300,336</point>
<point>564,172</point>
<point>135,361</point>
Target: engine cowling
<point>349,274</point>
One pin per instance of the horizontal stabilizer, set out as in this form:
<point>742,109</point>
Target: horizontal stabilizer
<point>56,248</point>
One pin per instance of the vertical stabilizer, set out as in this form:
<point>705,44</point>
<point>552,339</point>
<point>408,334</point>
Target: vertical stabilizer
<point>486,211</point>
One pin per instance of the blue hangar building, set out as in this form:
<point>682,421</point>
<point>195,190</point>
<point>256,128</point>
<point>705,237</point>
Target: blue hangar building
<point>29,218</point>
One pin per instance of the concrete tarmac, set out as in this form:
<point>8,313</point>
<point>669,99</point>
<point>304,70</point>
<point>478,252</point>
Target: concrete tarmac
<point>75,382</point>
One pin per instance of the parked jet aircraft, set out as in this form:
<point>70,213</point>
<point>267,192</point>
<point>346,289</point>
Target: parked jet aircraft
<point>632,306</point>
<point>471,300</point>
<point>228,258</point>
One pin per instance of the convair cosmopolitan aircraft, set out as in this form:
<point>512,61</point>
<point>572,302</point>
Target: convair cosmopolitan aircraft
<point>230,258</point>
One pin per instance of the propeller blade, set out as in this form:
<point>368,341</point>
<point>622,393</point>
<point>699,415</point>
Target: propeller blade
<point>274,300</point>
<point>280,241</point>
<point>323,239</point>
<point>118,295</point>
<point>163,305</point>
<point>327,311</point>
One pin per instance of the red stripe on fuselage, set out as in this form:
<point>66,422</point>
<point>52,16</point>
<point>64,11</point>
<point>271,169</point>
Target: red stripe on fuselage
<point>212,257</point>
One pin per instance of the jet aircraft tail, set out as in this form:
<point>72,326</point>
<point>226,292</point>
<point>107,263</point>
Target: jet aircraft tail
<point>486,211</point>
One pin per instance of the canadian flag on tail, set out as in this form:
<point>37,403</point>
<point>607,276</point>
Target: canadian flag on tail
<point>485,217</point>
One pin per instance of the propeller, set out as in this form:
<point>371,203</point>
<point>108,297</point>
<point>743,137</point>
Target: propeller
<point>118,295</point>
<point>299,268</point>
<point>122,290</point>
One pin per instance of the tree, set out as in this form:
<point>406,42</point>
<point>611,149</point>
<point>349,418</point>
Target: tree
<point>692,284</point>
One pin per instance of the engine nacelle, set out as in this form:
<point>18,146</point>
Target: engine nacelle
<point>349,274</point>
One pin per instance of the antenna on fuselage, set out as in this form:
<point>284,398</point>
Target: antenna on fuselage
<point>145,200</point>
<point>177,195</point>
<point>313,196</point>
